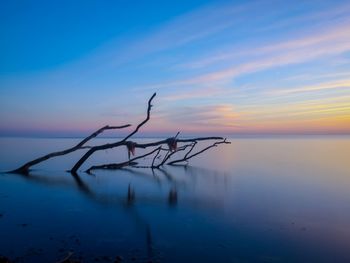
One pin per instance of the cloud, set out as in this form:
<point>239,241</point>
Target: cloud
<point>200,57</point>
<point>338,84</point>
<point>320,45</point>
<point>306,36</point>
<point>221,117</point>
<point>290,52</point>
<point>307,108</point>
<point>196,25</point>
<point>197,93</point>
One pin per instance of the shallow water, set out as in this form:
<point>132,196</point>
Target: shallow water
<point>256,200</point>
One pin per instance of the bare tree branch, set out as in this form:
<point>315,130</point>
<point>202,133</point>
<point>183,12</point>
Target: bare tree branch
<point>193,145</point>
<point>146,120</point>
<point>24,169</point>
<point>171,142</point>
<point>157,150</point>
<point>166,155</point>
<point>130,162</point>
<point>169,154</point>
<point>146,145</point>
<point>186,157</point>
<point>154,158</point>
<point>80,162</point>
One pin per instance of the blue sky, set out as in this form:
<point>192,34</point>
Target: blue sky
<point>68,67</point>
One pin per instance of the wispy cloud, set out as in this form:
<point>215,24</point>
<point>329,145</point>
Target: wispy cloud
<point>339,84</point>
<point>220,117</point>
<point>282,54</point>
<point>224,66</point>
<point>197,93</point>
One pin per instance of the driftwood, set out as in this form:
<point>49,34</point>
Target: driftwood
<point>25,168</point>
<point>168,146</point>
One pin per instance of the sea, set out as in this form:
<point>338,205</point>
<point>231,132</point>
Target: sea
<point>258,199</point>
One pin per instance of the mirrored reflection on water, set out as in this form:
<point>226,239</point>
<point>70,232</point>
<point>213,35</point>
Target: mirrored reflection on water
<point>257,200</point>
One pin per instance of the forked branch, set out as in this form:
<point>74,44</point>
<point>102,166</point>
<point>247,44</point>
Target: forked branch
<point>24,169</point>
<point>112,145</point>
<point>157,148</point>
<point>187,156</point>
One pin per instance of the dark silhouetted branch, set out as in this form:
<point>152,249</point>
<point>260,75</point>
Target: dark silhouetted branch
<point>154,158</point>
<point>187,157</point>
<point>80,162</point>
<point>171,149</point>
<point>157,150</point>
<point>169,154</point>
<point>193,145</point>
<point>130,162</point>
<point>142,146</point>
<point>146,120</point>
<point>24,169</point>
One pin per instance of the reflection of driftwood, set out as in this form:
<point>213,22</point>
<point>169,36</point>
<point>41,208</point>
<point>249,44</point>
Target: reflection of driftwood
<point>157,148</point>
<point>171,196</point>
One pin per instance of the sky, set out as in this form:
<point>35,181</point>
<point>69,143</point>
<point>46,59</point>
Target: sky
<point>218,67</point>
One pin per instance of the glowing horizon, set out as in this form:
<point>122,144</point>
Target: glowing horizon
<point>226,67</point>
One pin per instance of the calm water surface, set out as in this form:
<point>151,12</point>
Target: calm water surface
<point>256,200</point>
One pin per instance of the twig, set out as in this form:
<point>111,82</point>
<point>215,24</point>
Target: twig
<point>169,154</point>
<point>166,155</point>
<point>186,158</point>
<point>154,158</point>
<point>193,145</point>
<point>144,121</point>
<point>114,166</point>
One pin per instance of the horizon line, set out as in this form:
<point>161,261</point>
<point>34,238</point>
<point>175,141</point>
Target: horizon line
<point>232,135</point>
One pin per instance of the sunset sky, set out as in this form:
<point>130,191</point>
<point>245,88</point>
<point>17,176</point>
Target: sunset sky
<point>218,67</point>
